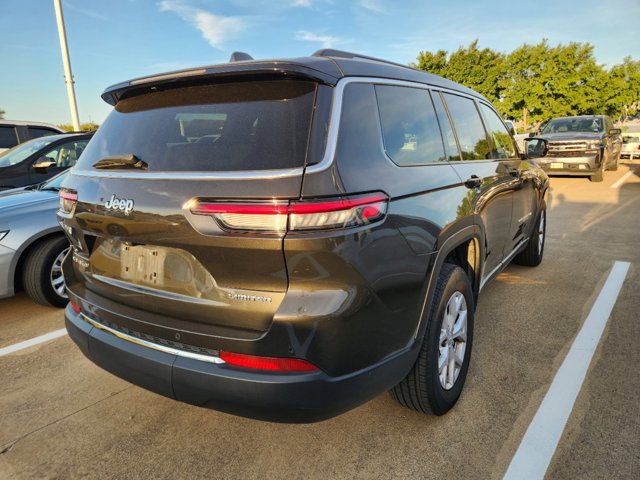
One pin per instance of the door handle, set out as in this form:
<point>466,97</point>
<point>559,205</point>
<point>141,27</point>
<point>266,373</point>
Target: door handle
<point>473,182</point>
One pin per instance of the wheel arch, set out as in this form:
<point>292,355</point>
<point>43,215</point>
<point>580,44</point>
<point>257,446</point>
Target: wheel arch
<point>463,248</point>
<point>26,249</point>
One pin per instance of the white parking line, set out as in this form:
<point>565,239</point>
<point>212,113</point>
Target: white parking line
<point>34,341</point>
<point>622,179</point>
<point>539,443</point>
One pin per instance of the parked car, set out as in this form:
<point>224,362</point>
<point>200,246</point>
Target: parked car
<point>13,132</point>
<point>40,159</point>
<point>32,244</point>
<point>322,236</point>
<point>586,145</point>
<point>630,146</point>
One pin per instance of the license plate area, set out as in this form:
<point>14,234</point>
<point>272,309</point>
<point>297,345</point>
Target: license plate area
<point>556,165</point>
<point>163,268</point>
<point>142,264</point>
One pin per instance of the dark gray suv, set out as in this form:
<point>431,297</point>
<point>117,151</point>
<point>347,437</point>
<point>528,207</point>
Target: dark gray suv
<point>287,239</point>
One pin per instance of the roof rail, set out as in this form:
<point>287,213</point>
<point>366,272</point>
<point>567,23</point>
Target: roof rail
<point>239,57</point>
<point>329,52</point>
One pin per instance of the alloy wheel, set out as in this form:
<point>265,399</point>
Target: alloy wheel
<point>453,340</point>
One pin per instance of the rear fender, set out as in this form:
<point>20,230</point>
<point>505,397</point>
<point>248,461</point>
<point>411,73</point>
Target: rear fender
<point>470,233</point>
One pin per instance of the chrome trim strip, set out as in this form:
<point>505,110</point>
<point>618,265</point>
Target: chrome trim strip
<point>336,111</point>
<point>513,253</point>
<point>325,163</point>
<point>154,346</point>
<point>157,292</point>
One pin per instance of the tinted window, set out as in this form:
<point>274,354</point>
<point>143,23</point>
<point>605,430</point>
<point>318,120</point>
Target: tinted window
<point>449,138</point>
<point>36,132</point>
<point>20,152</point>
<point>471,134</point>
<point>66,154</point>
<point>8,137</point>
<point>359,138</point>
<point>409,125</point>
<point>259,125</point>
<point>500,137</point>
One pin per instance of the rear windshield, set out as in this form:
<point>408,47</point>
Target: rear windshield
<point>260,125</point>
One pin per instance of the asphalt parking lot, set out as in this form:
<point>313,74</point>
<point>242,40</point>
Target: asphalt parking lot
<point>63,417</point>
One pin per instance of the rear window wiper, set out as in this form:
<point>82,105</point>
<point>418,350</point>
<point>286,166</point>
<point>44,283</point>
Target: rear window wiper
<point>128,160</point>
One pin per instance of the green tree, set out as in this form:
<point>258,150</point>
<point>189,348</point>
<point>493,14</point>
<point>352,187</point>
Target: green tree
<point>2,112</point>
<point>622,97</point>
<point>537,82</point>
<point>84,127</point>
<point>480,69</point>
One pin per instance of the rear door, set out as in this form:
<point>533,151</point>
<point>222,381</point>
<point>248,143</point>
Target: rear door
<point>191,238</point>
<point>489,181</point>
<point>522,179</point>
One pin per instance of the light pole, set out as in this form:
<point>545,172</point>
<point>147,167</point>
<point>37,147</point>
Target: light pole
<point>68,76</point>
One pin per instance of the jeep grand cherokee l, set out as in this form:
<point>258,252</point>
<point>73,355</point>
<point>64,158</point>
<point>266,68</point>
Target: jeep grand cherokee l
<point>287,239</point>
<point>586,145</point>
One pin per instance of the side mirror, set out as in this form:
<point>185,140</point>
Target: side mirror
<point>536,147</point>
<point>43,163</point>
<point>615,131</point>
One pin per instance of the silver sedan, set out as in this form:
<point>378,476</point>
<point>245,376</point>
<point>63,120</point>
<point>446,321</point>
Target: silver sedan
<point>32,243</point>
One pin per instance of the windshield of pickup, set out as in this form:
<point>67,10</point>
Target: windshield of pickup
<point>573,124</point>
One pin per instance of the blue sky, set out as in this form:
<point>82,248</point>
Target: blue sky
<point>115,40</point>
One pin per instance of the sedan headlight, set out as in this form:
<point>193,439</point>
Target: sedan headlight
<point>3,234</point>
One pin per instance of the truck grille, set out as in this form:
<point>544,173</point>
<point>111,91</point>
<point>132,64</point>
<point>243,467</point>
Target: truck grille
<point>567,149</point>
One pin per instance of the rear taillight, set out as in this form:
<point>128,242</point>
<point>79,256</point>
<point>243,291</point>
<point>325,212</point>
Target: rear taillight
<point>272,364</point>
<point>278,216</point>
<point>68,200</point>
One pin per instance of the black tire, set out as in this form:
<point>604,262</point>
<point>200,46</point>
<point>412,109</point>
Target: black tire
<point>532,254</point>
<point>37,272</point>
<point>422,390</point>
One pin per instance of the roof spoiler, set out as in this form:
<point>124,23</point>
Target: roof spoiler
<point>330,52</point>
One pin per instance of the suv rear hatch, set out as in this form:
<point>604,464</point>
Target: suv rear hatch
<point>163,204</point>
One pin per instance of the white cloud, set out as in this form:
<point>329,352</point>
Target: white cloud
<point>373,5</point>
<point>327,40</point>
<point>301,3</point>
<point>216,29</point>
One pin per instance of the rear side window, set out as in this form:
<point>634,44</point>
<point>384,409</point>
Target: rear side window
<point>259,125</point>
<point>448,136</point>
<point>36,132</point>
<point>501,138</point>
<point>409,125</point>
<point>8,137</point>
<point>466,120</point>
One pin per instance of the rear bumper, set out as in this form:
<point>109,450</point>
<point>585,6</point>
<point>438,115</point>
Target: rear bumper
<point>279,397</point>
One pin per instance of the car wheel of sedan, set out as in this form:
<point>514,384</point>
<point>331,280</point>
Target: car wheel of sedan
<point>531,256</point>
<point>42,275</point>
<point>435,382</point>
